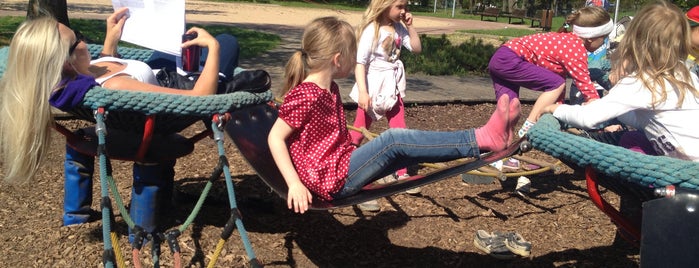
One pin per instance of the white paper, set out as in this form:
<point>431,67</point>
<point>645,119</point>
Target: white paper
<point>154,24</point>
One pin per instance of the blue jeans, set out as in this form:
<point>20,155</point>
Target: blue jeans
<point>399,148</point>
<point>228,56</point>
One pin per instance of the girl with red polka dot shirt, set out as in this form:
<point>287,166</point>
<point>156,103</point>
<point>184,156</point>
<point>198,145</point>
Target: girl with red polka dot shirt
<point>542,61</point>
<point>310,142</point>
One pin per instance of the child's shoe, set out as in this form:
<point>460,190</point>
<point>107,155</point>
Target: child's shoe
<point>511,163</point>
<point>413,191</point>
<point>525,128</point>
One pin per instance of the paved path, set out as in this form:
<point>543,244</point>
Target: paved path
<point>420,88</point>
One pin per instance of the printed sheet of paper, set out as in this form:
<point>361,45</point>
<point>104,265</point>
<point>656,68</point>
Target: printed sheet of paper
<point>154,24</point>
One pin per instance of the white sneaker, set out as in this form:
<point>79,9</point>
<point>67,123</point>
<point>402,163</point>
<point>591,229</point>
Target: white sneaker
<point>370,206</point>
<point>413,191</point>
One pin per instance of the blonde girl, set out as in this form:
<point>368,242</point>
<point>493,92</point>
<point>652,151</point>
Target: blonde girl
<point>310,142</point>
<point>654,90</point>
<point>380,76</point>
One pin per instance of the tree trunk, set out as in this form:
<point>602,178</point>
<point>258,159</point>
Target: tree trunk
<point>55,8</point>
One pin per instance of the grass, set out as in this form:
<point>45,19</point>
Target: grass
<point>252,43</point>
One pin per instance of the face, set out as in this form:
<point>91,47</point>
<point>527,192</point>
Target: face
<point>396,12</point>
<point>346,66</point>
<point>695,36</point>
<point>592,44</point>
<point>79,55</point>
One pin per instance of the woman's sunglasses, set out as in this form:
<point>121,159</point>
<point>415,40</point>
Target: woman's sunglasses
<point>79,37</point>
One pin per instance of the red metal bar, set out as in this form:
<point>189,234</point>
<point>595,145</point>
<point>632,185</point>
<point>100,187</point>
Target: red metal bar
<point>614,214</point>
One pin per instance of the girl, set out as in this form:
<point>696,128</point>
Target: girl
<point>656,92</point>
<point>380,88</point>
<point>310,142</point>
<point>541,61</point>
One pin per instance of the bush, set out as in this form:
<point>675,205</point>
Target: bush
<point>440,57</point>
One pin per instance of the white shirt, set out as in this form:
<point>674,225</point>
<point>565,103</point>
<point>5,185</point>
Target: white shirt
<point>672,131</point>
<point>135,69</point>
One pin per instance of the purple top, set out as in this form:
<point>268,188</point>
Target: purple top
<point>73,93</point>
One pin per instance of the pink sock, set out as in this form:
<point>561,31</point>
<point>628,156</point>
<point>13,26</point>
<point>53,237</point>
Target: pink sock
<point>494,135</point>
<point>513,118</point>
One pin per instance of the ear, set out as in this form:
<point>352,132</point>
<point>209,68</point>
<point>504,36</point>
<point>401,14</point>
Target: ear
<point>337,59</point>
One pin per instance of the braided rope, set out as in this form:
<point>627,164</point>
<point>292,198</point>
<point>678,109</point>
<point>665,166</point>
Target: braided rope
<point>615,161</point>
<point>158,103</point>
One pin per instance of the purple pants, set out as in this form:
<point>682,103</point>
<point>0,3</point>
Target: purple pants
<point>509,72</point>
<point>636,141</point>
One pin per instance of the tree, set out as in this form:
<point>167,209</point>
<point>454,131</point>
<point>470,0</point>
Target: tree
<point>55,8</point>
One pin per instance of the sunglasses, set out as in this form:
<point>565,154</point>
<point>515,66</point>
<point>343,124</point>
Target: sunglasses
<point>79,37</point>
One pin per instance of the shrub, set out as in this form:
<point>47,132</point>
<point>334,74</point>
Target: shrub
<point>440,57</point>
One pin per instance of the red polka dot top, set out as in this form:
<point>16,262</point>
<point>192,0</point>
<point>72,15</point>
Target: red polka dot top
<point>562,53</point>
<point>319,146</point>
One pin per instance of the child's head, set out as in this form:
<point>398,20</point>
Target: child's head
<point>693,19</point>
<point>327,43</point>
<point>593,24</point>
<point>654,48</point>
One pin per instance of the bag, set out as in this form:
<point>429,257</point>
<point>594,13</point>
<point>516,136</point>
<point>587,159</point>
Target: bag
<point>255,81</point>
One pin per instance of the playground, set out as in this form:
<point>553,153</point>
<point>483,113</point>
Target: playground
<point>433,229</point>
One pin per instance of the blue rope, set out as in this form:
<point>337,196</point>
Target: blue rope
<point>615,161</point>
<point>218,137</point>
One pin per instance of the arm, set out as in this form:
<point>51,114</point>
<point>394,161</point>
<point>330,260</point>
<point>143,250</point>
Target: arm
<point>414,36</point>
<point>578,70</point>
<point>206,83</point>
<point>115,25</point>
<point>298,196</point>
<point>620,101</point>
<point>364,101</point>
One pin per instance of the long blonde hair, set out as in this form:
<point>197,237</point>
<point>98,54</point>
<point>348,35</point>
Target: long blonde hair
<point>36,57</point>
<point>654,49</point>
<point>372,14</point>
<point>322,39</point>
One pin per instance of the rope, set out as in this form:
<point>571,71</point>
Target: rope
<point>157,103</point>
<point>615,161</point>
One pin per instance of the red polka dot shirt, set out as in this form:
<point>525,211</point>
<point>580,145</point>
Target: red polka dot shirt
<point>320,145</point>
<point>562,53</point>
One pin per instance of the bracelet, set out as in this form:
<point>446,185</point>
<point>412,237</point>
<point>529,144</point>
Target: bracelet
<point>117,55</point>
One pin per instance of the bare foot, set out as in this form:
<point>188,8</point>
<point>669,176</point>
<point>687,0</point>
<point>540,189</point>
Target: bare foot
<point>495,135</point>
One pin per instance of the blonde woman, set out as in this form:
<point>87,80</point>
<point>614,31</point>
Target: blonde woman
<point>49,65</point>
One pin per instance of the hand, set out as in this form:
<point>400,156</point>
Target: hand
<point>408,19</point>
<point>204,39</point>
<point>115,25</point>
<point>364,101</point>
<point>298,198</point>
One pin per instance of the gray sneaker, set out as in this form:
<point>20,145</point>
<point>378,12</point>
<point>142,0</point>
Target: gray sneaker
<point>370,206</point>
<point>516,243</point>
<point>493,244</point>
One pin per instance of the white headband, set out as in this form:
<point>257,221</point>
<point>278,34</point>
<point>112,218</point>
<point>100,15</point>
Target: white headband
<point>590,32</point>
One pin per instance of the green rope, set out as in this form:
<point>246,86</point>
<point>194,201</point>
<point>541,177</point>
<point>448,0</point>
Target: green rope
<point>615,161</point>
<point>157,103</point>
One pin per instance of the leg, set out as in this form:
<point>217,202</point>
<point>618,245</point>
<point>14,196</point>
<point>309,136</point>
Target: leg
<point>396,119</point>
<point>545,99</point>
<point>77,197</point>
<point>152,185</point>
<point>636,141</point>
<point>361,120</point>
<point>228,56</point>
<point>396,148</point>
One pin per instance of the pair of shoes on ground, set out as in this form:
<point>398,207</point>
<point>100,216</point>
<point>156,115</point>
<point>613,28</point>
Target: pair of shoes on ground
<point>394,177</point>
<point>502,245</point>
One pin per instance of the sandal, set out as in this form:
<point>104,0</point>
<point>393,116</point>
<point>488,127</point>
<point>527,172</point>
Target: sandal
<point>493,244</point>
<point>517,245</point>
